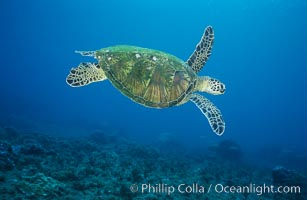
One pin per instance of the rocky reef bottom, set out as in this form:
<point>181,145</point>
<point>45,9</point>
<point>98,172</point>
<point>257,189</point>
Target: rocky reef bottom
<point>103,166</point>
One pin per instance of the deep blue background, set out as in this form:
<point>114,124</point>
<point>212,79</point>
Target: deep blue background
<point>260,53</point>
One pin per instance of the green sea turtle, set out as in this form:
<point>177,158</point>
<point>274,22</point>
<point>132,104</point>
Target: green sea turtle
<point>154,78</point>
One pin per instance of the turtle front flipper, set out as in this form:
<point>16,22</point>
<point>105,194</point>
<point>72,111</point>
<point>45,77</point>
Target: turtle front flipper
<point>212,113</point>
<point>203,50</point>
<point>85,74</point>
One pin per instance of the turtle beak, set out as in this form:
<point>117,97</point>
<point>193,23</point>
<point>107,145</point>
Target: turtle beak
<point>223,88</point>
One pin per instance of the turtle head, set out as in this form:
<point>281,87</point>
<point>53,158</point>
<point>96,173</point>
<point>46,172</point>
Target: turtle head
<point>210,85</point>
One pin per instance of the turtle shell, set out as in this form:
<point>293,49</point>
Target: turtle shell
<point>149,77</point>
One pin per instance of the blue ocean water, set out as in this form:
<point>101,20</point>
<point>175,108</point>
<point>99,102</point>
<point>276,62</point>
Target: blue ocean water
<point>259,53</point>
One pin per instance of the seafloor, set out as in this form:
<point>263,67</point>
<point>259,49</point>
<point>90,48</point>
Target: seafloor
<point>104,166</point>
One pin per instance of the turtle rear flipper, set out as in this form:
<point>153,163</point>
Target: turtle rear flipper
<point>202,51</point>
<point>85,74</point>
<point>212,113</point>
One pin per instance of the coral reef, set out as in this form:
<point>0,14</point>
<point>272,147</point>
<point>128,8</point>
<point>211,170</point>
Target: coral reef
<point>106,166</point>
<point>290,178</point>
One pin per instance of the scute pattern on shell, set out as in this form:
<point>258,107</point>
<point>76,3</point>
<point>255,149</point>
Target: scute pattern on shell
<point>149,77</point>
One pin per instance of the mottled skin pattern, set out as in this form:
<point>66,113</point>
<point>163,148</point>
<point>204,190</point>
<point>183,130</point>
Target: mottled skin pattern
<point>149,77</point>
<point>212,113</point>
<point>85,74</point>
<point>202,51</point>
